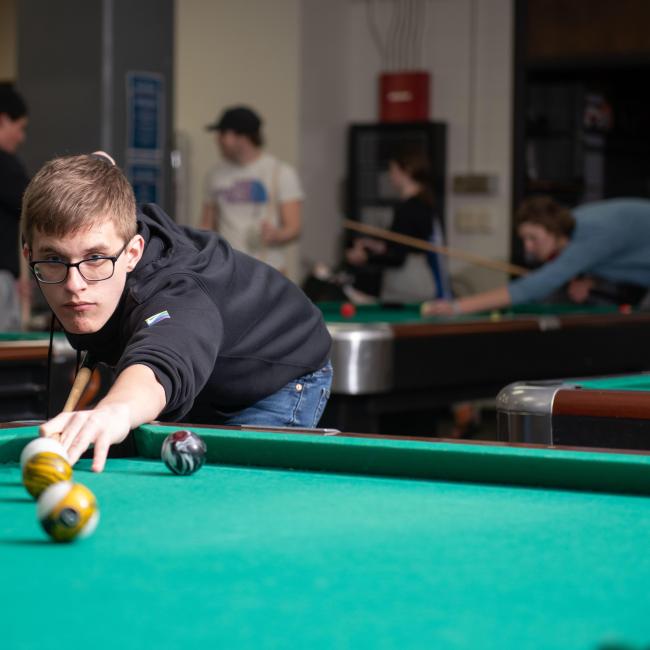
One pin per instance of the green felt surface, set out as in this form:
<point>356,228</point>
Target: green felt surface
<point>637,382</point>
<point>28,336</point>
<point>251,557</point>
<point>410,312</point>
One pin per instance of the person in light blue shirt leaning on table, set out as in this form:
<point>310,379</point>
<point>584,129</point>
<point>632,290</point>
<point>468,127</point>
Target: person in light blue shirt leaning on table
<point>596,253</point>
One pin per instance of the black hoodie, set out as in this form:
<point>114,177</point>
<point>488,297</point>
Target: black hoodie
<point>225,330</point>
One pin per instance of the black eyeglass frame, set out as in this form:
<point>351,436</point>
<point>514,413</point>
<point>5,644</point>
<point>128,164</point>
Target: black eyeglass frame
<point>77,265</point>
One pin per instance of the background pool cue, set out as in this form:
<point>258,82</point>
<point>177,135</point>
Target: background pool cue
<point>79,385</point>
<point>414,242</point>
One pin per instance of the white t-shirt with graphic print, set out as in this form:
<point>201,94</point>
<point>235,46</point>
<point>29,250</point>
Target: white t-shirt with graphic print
<point>247,195</point>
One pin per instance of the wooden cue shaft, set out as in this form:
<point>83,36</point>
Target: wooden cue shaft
<point>414,242</point>
<point>78,387</point>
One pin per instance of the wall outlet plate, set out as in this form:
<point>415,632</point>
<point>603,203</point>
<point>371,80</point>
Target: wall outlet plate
<point>484,184</point>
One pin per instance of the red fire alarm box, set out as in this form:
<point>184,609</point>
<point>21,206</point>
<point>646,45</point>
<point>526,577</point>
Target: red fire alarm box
<point>404,96</point>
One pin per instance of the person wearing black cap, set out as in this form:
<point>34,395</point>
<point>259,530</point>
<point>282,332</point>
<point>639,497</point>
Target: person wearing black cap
<point>13,181</point>
<point>251,198</point>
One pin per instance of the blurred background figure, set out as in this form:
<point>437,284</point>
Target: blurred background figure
<point>13,181</point>
<point>596,253</point>
<point>251,198</point>
<point>408,274</point>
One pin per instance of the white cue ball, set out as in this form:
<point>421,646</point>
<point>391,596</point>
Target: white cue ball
<point>39,445</point>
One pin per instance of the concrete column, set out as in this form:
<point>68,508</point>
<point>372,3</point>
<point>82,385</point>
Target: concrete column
<point>74,59</point>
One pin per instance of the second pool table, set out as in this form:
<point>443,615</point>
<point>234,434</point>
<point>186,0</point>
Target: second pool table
<point>393,368</point>
<point>23,374</point>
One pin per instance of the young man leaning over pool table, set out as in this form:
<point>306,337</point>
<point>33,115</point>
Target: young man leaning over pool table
<point>598,251</point>
<point>195,330</point>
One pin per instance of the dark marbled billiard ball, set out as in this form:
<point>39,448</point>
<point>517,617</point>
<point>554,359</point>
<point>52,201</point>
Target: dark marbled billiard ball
<point>183,452</point>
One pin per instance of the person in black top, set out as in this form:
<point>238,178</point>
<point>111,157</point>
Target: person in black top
<point>13,181</point>
<point>407,274</point>
<point>195,330</point>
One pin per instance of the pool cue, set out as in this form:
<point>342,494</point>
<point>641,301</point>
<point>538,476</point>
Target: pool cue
<point>79,385</point>
<point>414,242</point>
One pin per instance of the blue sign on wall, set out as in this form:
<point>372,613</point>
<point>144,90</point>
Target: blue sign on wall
<point>145,102</point>
<point>145,134</point>
<point>146,180</point>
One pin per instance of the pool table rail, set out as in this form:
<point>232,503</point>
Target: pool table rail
<point>394,457</point>
<point>580,412</point>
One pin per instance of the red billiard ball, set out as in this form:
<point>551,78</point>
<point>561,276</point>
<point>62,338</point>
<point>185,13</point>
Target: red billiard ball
<point>348,310</point>
<point>625,309</point>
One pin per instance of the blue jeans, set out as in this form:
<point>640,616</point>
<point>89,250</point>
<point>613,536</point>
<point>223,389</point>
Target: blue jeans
<point>300,403</point>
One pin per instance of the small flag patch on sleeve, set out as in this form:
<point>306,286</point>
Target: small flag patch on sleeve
<point>156,318</point>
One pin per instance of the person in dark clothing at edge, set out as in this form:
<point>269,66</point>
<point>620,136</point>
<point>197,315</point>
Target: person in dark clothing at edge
<point>13,181</point>
<point>195,330</point>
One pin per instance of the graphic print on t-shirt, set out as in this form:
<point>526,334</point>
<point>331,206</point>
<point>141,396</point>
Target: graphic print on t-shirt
<point>244,191</point>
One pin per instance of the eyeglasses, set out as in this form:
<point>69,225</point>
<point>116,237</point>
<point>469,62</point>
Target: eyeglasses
<point>93,269</point>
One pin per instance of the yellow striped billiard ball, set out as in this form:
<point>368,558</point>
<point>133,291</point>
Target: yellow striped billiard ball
<point>67,511</point>
<point>44,469</point>
<point>37,445</point>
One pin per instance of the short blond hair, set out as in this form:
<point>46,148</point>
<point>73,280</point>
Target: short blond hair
<point>72,193</point>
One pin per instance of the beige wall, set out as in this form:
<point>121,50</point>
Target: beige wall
<point>341,50</point>
<point>310,67</point>
<point>234,51</point>
<point>8,62</point>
